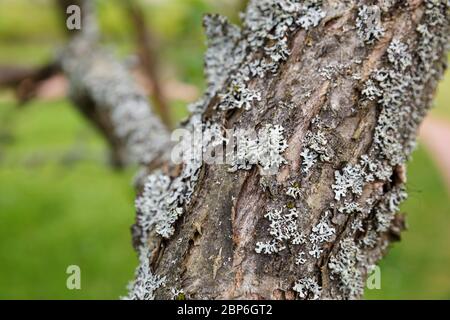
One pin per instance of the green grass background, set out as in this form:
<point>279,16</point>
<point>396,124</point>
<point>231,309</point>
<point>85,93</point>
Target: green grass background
<point>61,203</point>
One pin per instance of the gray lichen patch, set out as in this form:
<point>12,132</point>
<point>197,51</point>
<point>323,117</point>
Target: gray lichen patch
<point>316,147</point>
<point>223,49</point>
<point>267,25</point>
<point>368,23</point>
<point>294,191</point>
<point>145,284</point>
<point>283,229</point>
<point>321,233</point>
<point>239,96</point>
<point>351,178</point>
<point>388,206</point>
<point>159,205</point>
<point>308,288</point>
<point>403,81</point>
<point>399,88</point>
<point>265,150</point>
<point>344,266</point>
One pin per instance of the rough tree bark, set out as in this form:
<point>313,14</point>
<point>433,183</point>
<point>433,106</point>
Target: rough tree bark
<point>336,91</point>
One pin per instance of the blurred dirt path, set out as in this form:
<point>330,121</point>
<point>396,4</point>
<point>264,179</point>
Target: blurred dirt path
<point>56,87</point>
<point>435,134</point>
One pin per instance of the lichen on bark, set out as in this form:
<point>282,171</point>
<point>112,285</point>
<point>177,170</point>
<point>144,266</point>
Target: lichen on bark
<point>296,63</point>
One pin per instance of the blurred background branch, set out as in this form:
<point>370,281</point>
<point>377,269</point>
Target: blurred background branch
<point>147,53</point>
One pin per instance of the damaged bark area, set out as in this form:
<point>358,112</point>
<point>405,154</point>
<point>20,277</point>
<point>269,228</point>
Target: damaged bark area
<point>336,91</point>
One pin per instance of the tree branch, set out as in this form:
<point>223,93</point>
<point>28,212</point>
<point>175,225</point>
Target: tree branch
<point>26,81</point>
<point>148,58</point>
<point>102,89</point>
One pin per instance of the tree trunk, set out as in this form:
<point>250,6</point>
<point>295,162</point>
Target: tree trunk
<point>335,91</point>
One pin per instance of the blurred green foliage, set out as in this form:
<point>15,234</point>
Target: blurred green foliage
<point>61,204</point>
<point>418,267</point>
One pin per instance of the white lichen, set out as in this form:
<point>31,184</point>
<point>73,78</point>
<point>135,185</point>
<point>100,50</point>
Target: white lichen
<point>238,96</point>
<point>344,266</point>
<point>222,53</point>
<point>371,91</point>
<point>294,191</point>
<point>308,287</point>
<point>311,15</point>
<point>146,282</point>
<point>158,205</point>
<point>300,259</point>
<point>371,238</point>
<point>350,207</point>
<point>403,81</point>
<point>283,229</point>
<point>368,24</point>
<point>322,232</point>
<point>316,146</point>
<point>267,25</point>
<point>351,178</point>
<point>265,150</point>
<point>388,207</point>
<point>357,225</point>
<point>398,54</point>
<point>309,159</point>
